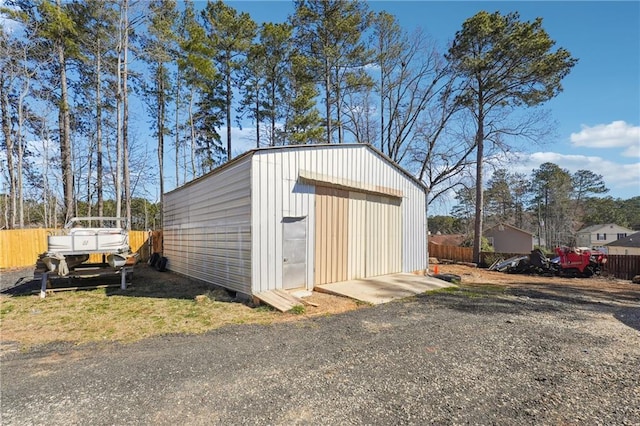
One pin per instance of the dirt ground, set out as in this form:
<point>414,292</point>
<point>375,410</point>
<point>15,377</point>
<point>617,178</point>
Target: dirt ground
<point>589,288</point>
<point>501,349</point>
<point>472,276</point>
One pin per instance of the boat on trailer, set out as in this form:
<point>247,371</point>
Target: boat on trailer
<point>83,236</point>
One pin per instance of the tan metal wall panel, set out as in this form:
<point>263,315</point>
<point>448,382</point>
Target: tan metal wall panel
<point>357,235</point>
<point>331,251</point>
<point>384,236</point>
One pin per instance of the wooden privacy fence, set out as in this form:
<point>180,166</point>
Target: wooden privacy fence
<point>21,247</point>
<point>455,253</point>
<point>622,266</point>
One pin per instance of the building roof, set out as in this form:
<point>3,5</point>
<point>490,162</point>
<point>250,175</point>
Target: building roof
<point>446,239</point>
<point>251,152</point>
<point>598,227</point>
<point>506,225</point>
<point>632,240</point>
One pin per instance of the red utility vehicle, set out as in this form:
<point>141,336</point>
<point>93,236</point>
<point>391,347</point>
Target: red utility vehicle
<point>580,261</point>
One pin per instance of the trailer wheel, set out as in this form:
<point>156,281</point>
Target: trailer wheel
<point>161,266</point>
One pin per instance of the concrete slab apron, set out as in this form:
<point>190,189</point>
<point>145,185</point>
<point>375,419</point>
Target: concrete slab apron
<point>384,288</point>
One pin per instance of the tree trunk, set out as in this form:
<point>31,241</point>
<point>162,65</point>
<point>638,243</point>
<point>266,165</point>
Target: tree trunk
<point>382,94</point>
<point>258,119</point>
<point>6,131</point>
<point>125,116</point>
<point>98,144</point>
<point>21,151</point>
<point>65,134</point>
<point>327,100</point>
<point>273,115</point>
<point>118,180</point>
<point>228,106</point>
<point>48,214</point>
<point>339,114</point>
<point>160,124</point>
<point>99,165</point>
<point>193,135</point>
<point>477,229</point>
<point>177,129</point>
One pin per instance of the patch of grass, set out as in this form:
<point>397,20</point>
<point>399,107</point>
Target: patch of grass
<point>5,308</point>
<point>297,310</point>
<point>443,290</point>
<point>155,304</point>
<point>90,316</point>
<point>489,288</point>
<point>475,291</point>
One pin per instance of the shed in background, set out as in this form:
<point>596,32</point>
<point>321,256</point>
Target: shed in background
<point>296,216</point>
<point>508,239</point>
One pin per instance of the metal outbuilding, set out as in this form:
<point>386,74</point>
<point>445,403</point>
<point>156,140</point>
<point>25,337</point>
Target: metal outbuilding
<point>297,216</point>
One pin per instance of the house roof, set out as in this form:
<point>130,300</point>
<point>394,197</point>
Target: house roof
<point>598,227</point>
<point>251,152</point>
<point>447,239</point>
<point>506,225</point>
<point>632,240</point>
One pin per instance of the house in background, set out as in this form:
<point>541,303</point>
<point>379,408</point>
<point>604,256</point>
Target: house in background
<point>446,239</point>
<point>628,246</point>
<point>509,239</point>
<point>597,236</point>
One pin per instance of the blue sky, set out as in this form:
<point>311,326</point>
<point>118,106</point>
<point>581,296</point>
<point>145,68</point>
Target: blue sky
<point>598,113</point>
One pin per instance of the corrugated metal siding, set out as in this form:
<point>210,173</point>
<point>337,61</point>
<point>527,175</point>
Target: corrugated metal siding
<point>207,232</point>
<point>384,236</point>
<point>357,235</point>
<point>414,224</point>
<point>332,235</point>
<point>279,193</point>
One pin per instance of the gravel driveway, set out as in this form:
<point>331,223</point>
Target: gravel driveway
<point>520,357</point>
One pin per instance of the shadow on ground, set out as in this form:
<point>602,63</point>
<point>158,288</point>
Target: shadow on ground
<point>629,317</point>
<point>148,282</point>
<point>144,282</point>
<point>19,282</point>
<point>533,297</point>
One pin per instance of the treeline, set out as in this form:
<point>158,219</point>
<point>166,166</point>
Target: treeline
<point>72,73</point>
<point>551,203</point>
<point>144,214</point>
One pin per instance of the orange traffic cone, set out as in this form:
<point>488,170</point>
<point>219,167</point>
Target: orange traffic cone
<point>435,270</point>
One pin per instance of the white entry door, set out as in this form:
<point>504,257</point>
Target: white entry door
<point>294,252</point>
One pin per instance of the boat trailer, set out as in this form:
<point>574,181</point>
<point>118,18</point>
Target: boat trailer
<point>68,250</point>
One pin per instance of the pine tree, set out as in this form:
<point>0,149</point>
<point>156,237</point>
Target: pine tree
<point>230,35</point>
<point>502,63</point>
<point>329,33</point>
<point>158,50</point>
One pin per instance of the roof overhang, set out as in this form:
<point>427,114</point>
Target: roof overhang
<point>347,184</point>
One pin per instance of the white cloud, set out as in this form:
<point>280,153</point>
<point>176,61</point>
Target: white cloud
<point>617,134</point>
